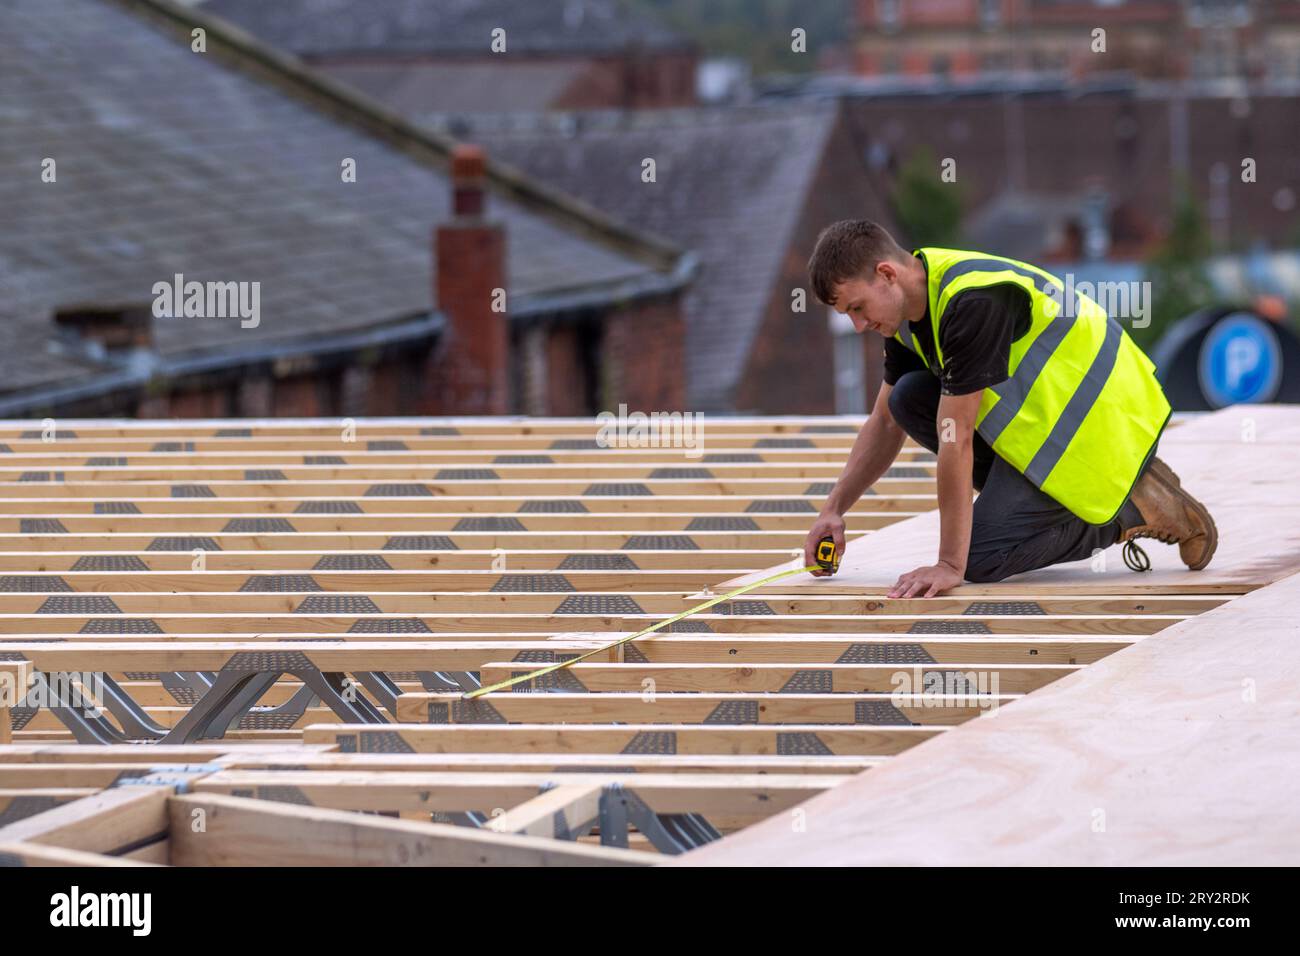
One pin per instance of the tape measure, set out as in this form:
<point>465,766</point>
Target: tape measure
<point>828,559</point>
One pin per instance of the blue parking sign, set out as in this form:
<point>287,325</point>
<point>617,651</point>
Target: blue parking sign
<point>1240,361</point>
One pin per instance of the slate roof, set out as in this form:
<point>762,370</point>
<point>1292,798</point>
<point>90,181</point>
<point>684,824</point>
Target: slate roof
<point>225,166</point>
<point>318,27</point>
<point>731,186</point>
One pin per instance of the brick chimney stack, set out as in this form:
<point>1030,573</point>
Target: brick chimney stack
<point>472,365</point>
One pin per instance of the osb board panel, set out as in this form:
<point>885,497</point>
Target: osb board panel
<point>1241,462</point>
<point>1181,750</point>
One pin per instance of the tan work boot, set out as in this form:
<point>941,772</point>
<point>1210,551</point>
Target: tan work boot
<point>1171,515</point>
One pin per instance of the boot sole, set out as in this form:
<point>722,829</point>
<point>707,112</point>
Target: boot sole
<point>1165,475</point>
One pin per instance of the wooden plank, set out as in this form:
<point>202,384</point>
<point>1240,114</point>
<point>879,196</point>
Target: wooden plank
<point>637,707</point>
<point>112,822</point>
<point>242,832</point>
<point>14,679</point>
<point>565,808</point>
<point>862,740</point>
<point>774,678</point>
<point>739,799</point>
<point>471,763</point>
<point>36,854</point>
<point>134,754</point>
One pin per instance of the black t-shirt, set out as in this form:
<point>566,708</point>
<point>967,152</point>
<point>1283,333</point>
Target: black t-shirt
<point>976,335</point>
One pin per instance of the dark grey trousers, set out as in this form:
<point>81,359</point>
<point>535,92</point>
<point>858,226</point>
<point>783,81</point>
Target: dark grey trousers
<point>1015,527</point>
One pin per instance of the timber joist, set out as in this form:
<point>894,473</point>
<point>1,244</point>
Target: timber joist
<point>274,622</point>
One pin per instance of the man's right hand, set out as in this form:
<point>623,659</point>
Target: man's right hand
<point>827,524</point>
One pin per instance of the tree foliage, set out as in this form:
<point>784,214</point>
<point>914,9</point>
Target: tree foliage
<point>1178,270</point>
<point>928,209</point>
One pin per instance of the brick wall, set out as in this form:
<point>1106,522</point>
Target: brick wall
<point>791,366</point>
<point>644,362</point>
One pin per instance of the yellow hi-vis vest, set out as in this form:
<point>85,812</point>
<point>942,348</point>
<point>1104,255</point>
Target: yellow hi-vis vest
<point>1082,410</point>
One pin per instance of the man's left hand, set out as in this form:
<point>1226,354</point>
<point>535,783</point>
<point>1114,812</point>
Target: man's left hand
<point>926,582</point>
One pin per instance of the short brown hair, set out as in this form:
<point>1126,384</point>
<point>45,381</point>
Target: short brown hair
<point>848,249</point>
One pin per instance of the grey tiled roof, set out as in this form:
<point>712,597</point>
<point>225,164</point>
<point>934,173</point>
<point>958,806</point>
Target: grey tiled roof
<point>447,26</point>
<point>170,161</point>
<point>731,185</point>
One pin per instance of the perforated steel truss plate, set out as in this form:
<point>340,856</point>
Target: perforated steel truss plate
<point>809,682</point>
<point>389,625</point>
<point>258,526</point>
<point>532,582</point>
<point>747,608</point>
<point>722,523</point>
<point>263,474</point>
<point>184,543</point>
<point>280,582</point>
<point>265,662</point>
<point>41,526</point>
<point>652,742</point>
<point>79,604</point>
<point>30,583</point>
<point>878,712</point>
<point>420,542</point>
<point>681,473</point>
<point>109,562</point>
<point>490,523</point>
<point>337,604</point>
<point>949,627</point>
<point>192,491</point>
<point>399,490</point>
<point>1018,608</point>
<point>734,712</point>
<point>599,604</point>
<point>523,460</point>
<point>116,508</point>
<point>121,625</point>
<point>597,562</point>
<point>885,654</point>
<point>327,508</point>
<point>801,744</point>
<point>689,626</point>
<point>780,506</point>
<point>660,542</point>
<point>617,489</point>
<point>352,562</point>
<point>466,474</point>
<point>553,506</point>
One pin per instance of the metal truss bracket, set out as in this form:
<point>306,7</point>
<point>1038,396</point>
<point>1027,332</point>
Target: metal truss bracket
<point>673,833</point>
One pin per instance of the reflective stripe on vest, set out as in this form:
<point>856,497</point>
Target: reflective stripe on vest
<point>1082,409</point>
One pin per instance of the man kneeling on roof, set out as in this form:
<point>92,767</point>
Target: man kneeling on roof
<point>1046,407</point>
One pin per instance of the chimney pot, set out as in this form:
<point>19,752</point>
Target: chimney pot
<point>468,175</point>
